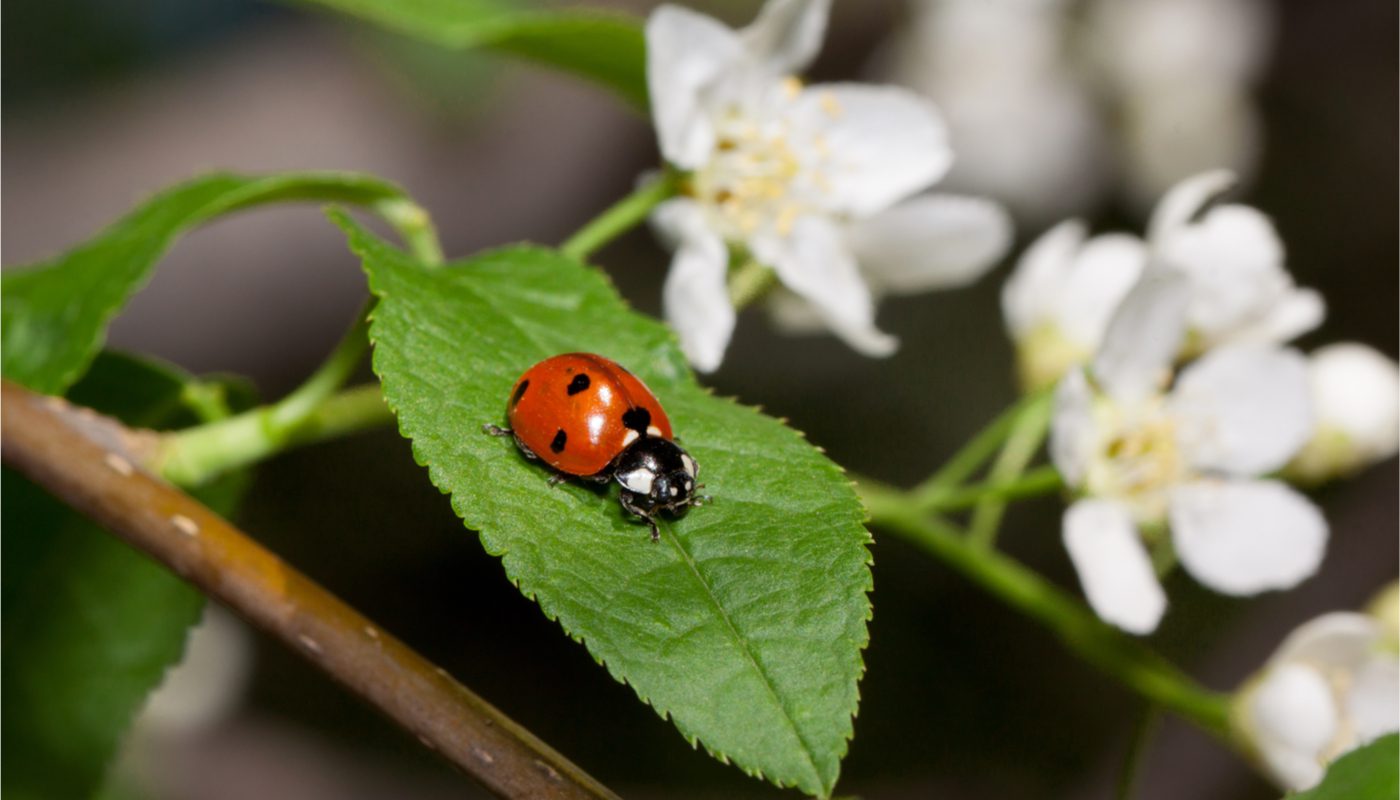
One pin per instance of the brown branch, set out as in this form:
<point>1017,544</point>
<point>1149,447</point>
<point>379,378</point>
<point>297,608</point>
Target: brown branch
<point>93,464</point>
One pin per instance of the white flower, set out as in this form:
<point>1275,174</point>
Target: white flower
<point>1181,71</point>
<point>1356,398</point>
<point>1332,686</point>
<point>1144,92</point>
<point>1065,287</point>
<point>1058,301</point>
<point>814,182</point>
<point>1027,127</point>
<point>1146,460</point>
<point>1240,290</point>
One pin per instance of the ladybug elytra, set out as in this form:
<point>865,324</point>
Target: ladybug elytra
<point>588,417</point>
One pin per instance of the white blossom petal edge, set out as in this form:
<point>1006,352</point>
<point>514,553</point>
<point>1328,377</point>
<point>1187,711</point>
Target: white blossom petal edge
<point>801,178</point>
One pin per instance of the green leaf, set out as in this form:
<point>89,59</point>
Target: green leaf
<point>54,315</point>
<point>89,625</point>
<point>607,48</point>
<point>745,624</point>
<point>1366,773</point>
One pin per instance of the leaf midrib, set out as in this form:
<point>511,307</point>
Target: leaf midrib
<point>733,630</point>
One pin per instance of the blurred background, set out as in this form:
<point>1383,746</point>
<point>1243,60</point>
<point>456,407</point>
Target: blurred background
<point>1087,108</point>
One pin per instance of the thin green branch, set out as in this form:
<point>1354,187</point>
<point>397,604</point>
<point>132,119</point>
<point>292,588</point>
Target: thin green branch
<point>313,411</point>
<point>1036,483</point>
<point>1113,652</point>
<point>415,226</point>
<point>749,282</point>
<point>621,217</point>
<point>974,454</point>
<point>194,455</point>
<point>1137,752</point>
<point>1027,434</point>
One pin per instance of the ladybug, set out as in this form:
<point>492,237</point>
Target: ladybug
<point>588,417</point>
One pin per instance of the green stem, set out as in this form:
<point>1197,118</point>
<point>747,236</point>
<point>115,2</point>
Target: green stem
<point>415,226</point>
<point>1036,483</point>
<point>1137,751</point>
<point>973,454</point>
<point>1126,659</point>
<point>621,217</point>
<point>750,282</point>
<point>313,411</point>
<point>1027,434</point>
<point>195,455</point>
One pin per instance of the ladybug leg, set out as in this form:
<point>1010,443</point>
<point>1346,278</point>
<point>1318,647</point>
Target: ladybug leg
<point>556,479</point>
<point>496,430</point>
<point>650,521</point>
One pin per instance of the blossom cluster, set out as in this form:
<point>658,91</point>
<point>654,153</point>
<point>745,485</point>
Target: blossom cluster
<point>1140,93</point>
<point>1183,418</point>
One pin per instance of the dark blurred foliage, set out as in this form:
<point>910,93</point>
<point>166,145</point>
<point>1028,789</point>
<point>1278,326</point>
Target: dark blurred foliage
<point>962,699</point>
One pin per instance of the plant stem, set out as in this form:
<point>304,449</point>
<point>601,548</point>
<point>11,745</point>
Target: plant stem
<point>1040,481</point>
<point>194,455</point>
<point>1137,752</point>
<point>750,282</point>
<point>973,454</point>
<point>1027,433</point>
<point>55,446</point>
<point>415,226</point>
<point>621,217</point>
<point>313,411</point>
<point>1110,650</point>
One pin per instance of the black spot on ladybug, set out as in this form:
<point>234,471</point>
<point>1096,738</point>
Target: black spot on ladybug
<point>560,439</point>
<point>637,418</point>
<point>578,384</point>
<point>519,393</point>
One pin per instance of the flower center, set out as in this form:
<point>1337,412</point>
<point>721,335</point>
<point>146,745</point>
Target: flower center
<point>1137,460</point>
<point>760,179</point>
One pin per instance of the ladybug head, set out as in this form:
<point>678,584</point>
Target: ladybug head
<point>657,474</point>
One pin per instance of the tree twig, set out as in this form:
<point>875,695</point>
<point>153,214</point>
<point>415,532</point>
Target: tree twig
<point>94,465</point>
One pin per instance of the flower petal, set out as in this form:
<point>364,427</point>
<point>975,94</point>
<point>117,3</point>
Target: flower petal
<point>1373,704</point>
<point>932,242</point>
<point>787,34</point>
<point>1027,297</point>
<point>1186,200</point>
<point>687,53</point>
<point>1338,640</point>
<point>872,145</point>
<point>1073,432</point>
<point>1292,717</point>
<point>1243,409</point>
<point>1143,337</point>
<point>1106,268</point>
<point>696,297</point>
<point>1294,314</point>
<point>1113,566</point>
<point>1245,537</point>
<point>1239,287</point>
<point>815,262</point>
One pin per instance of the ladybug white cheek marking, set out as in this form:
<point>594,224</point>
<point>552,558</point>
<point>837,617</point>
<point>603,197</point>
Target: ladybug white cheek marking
<point>629,438</point>
<point>691,468</point>
<point>652,430</point>
<point>638,480</point>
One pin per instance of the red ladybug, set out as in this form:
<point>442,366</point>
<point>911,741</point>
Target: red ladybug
<point>588,417</point>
